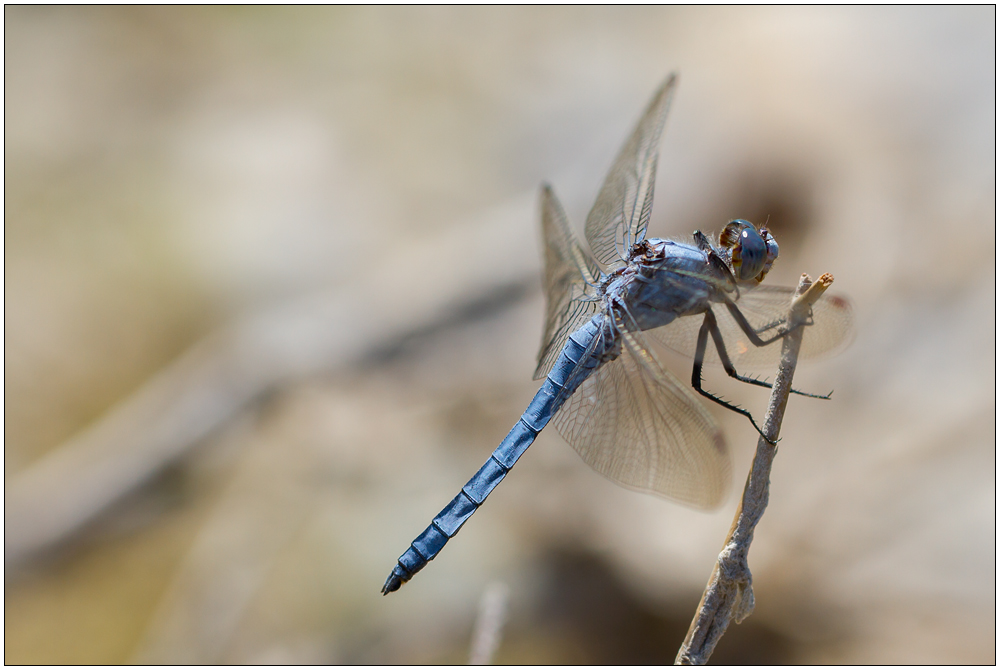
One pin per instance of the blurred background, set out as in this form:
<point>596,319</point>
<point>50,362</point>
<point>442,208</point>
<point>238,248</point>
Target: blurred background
<point>272,294</point>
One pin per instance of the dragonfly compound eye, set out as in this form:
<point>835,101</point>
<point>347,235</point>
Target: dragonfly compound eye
<point>753,253</point>
<point>772,252</point>
<point>748,250</point>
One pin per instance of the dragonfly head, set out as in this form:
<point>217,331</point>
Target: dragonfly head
<point>750,252</point>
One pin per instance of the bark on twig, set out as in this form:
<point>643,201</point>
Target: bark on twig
<point>729,593</point>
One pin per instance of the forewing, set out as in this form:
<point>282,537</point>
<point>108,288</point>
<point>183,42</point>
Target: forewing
<point>567,272</point>
<point>621,213</point>
<point>634,423</point>
<point>832,328</point>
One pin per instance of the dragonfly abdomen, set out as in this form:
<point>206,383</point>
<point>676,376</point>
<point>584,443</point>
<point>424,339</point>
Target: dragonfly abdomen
<point>573,366</point>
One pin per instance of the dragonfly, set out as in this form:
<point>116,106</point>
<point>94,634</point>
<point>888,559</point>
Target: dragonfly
<point>604,387</point>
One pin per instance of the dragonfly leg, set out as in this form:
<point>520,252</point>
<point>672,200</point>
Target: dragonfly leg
<point>699,360</point>
<point>755,339</point>
<point>745,326</point>
<point>727,364</point>
<point>712,326</point>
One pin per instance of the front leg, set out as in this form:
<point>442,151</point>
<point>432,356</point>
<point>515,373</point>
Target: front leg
<point>702,242</point>
<point>749,331</point>
<point>717,262</point>
<point>712,325</point>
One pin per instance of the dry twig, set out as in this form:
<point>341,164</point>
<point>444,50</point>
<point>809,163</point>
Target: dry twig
<point>489,624</point>
<point>729,593</point>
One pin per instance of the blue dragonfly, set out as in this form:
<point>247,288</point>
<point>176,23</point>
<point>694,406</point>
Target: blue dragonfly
<point>605,390</point>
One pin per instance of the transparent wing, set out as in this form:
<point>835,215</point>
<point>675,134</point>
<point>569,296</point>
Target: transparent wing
<point>621,213</point>
<point>634,423</point>
<point>568,270</point>
<point>832,328</point>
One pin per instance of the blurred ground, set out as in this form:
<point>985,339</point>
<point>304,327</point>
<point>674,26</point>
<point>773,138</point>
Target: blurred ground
<point>322,220</point>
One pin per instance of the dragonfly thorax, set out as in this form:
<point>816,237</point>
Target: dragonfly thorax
<point>666,279</point>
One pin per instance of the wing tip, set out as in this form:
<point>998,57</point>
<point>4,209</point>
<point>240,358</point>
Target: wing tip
<point>719,442</point>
